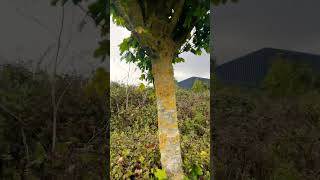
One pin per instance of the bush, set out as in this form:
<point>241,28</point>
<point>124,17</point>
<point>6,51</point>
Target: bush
<point>258,137</point>
<point>26,128</point>
<point>134,137</point>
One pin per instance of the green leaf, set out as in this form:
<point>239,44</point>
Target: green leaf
<point>161,174</point>
<point>128,57</point>
<point>178,60</point>
<point>103,49</point>
<point>141,158</point>
<point>198,170</point>
<point>124,46</point>
<point>142,77</point>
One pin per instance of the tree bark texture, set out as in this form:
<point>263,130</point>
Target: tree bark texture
<point>169,136</point>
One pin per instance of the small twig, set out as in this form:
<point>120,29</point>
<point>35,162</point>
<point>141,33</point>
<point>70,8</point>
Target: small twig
<point>63,93</point>
<point>69,41</point>
<point>103,129</point>
<point>41,59</point>
<point>12,115</point>
<point>26,147</point>
<point>35,20</point>
<point>6,110</point>
<point>53,88</point>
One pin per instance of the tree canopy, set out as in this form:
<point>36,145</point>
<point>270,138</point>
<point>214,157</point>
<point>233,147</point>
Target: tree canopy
<point>185,21</point>
<point>154,24</point>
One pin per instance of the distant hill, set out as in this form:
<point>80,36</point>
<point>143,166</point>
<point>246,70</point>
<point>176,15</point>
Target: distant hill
<point>251,69</point>
<point>188,83</point>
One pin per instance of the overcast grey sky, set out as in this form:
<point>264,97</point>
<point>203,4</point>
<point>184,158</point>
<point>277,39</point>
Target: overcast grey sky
<point>29,27</point>
<point>250,25</point>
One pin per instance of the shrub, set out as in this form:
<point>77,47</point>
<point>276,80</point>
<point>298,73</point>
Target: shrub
<point>134,136</point>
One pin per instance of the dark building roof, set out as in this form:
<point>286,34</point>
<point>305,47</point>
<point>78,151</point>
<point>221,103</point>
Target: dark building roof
<point>251,69</point>
<point>188,83</point>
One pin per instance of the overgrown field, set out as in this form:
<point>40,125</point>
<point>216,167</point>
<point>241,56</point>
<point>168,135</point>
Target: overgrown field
<point>26,128</point>
<point>257,136</point>
<point>134,141</point>
<point>260,137</point>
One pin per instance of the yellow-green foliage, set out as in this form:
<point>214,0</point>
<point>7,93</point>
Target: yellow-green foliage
<point>199,86</point>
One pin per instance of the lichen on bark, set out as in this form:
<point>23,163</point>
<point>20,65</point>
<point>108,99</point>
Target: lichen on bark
<point>169,136</point>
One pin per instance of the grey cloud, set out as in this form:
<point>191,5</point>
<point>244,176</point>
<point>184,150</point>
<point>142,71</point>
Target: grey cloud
<point>29,27</point>
<point>249,25</point>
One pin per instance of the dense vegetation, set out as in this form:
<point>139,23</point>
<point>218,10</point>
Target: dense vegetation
<point>134,141</point>
<point>263,138</point>
<point>272,133</point>
<point>26,127</point>
<point>258,135</point>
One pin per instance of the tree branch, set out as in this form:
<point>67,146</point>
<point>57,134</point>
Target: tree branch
<point>178,7</point>
<point>142,5</point>
<point>62,94</point>
<point>35,20</point>
<point>41,59</point>
<point>183,36</point>
<point>122,13</point>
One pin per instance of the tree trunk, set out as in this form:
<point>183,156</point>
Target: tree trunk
<point>169,136</point>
